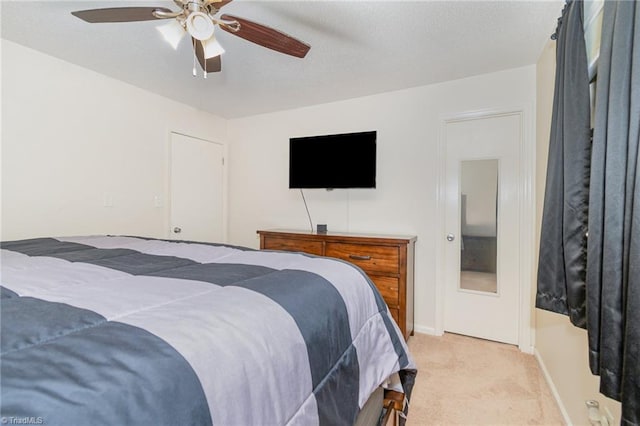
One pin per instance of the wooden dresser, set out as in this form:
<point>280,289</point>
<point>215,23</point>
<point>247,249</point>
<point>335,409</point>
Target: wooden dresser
<point>387,259</point>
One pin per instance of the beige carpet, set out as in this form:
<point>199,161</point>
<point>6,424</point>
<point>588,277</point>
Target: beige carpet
<point>467,381</point>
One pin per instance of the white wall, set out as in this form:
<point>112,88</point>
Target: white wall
<point>70,136</point>
<point>407,122</point>
<point>561,347</point>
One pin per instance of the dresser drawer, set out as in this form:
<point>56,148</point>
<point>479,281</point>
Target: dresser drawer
<point>395,314</point>
<point>371,258</point>
<point>288,244</point>
<point>388,287</point>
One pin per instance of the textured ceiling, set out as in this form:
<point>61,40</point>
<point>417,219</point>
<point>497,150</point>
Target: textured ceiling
<point>358,48</point>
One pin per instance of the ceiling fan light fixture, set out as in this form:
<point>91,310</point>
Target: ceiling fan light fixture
<point>200,26</point>
<point>212,48</point>
<point>172,32</point>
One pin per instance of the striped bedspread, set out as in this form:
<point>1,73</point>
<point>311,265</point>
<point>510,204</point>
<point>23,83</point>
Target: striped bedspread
<point>122,330</point>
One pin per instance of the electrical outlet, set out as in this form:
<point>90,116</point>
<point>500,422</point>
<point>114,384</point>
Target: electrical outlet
<point>608,416</point>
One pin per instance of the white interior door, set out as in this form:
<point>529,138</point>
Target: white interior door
<point>196,182</point>
<point>481,221</point>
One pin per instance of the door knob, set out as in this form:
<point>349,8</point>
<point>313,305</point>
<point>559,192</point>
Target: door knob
<point>177,230</point>
<point>450,237</point>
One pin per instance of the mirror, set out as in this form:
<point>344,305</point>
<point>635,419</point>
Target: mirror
<point>479,225</point>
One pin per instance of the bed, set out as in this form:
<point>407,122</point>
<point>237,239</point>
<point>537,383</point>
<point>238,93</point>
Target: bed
<point>128,330</point>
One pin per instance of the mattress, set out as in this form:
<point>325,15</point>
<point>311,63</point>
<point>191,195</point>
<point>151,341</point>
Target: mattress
<point>129,330</point>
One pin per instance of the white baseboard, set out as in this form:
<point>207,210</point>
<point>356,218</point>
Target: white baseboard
<point>425,330</point>
<point>527,349</point>
<point>554,390</point>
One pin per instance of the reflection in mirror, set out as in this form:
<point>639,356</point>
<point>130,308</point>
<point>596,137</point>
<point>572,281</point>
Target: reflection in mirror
<point>479,223</point>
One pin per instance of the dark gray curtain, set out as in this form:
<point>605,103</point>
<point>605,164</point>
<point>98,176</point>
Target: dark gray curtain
<point>613,261</point>
<point>563,245</point>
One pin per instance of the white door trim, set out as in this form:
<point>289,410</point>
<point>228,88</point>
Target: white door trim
<point>526,223</point>
<point>167,184</point>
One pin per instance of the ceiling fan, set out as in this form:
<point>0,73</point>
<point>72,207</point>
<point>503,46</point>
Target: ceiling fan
<point>198,19</point>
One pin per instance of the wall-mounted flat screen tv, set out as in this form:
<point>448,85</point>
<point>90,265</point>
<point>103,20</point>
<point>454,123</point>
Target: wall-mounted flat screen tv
<point>333,161</point>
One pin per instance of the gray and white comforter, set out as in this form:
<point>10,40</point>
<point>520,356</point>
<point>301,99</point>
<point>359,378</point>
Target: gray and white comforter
<point>123,330</point>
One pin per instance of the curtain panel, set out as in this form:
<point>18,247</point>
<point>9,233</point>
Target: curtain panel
<point>594,277</point>
<point>563,241</point>
<point>613,260</point>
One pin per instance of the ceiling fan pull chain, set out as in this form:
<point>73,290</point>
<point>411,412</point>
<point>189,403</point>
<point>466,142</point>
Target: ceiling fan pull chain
<point>194,58</point>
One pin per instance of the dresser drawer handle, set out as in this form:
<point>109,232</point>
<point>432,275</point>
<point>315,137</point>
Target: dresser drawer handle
<point>358,257</point>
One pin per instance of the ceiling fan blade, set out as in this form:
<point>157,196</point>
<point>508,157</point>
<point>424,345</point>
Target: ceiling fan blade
<point>221,3</point>
<point>118,14</point>
<point>267,37</point>
<point>212,64</point>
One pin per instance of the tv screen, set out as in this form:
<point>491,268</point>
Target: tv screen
<point>333,161</point>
